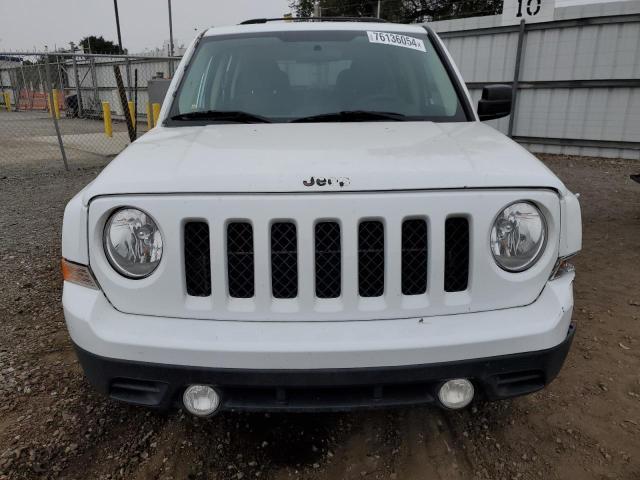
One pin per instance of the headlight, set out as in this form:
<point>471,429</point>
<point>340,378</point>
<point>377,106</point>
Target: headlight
<point>132,243</point>
<point>518,236</point>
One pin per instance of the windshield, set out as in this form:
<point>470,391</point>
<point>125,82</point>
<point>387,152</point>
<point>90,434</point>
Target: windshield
<point>296,76</point>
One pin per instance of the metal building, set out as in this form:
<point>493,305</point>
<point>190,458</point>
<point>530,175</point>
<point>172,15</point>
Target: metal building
<point>578,84</point>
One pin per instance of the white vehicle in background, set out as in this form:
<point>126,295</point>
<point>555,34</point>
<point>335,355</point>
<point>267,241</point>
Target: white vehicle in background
<point>320,221</point>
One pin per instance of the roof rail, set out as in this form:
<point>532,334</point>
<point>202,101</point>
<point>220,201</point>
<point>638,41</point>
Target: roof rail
<point>254,21</point>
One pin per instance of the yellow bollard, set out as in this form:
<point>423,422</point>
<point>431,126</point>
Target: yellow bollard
<point>56,104</point>
<point>156,113</point>
<point>106,113</point>
<point>149,117</point>
<point>7,101</point>
<point>49,104</point>
<point>132,113</point>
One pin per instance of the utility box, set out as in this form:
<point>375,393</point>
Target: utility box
<point>157,89</point>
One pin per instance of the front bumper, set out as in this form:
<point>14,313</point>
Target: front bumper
<point>161,386</point>
<point>320,365</point>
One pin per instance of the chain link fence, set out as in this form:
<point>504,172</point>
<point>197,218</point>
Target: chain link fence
<point>67,109</point>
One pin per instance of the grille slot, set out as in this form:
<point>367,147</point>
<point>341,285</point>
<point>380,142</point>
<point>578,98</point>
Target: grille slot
<point>284,260</point>
<point>371,259</point>
<point>456,250</point>
<point>414,257</point>
<point>328,260</point>
<point>197,259</point>
<point>240,268</point>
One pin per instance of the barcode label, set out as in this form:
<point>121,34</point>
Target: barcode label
<point>396,40</point>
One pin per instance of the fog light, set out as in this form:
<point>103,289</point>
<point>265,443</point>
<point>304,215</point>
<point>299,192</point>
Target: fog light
<point>201,400</point>
<point>456,393</point>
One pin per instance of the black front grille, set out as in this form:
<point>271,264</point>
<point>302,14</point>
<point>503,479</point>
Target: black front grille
<point>371,259</point>
<point>456,250</point>
<point>328,260</point>
<point>240,269</point>
<point>328,256</point>
<point>197,259</point>
<point>414,257</point>
<point>284,260</point>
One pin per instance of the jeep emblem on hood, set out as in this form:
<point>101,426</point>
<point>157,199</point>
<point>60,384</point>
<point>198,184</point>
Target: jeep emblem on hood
<point>323,181</point>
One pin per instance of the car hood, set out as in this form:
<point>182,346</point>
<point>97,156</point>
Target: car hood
<point>279,158</point>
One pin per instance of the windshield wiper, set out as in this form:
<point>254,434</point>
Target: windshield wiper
<point>222,115</point>
<point>352,116</point>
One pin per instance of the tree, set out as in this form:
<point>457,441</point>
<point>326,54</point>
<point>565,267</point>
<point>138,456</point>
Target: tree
<point>93,44</point>
<point>419,10</point>
<point>346,8</point>
<point>302,8</point>
<point>406,11</point>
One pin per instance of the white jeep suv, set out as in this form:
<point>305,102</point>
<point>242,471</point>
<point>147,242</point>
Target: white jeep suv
<point>320,221</point>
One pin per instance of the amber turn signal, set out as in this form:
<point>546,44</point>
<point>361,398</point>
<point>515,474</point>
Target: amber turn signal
<point>78,274</point>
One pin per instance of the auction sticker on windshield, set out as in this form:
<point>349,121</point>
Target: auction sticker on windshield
<point>396,40</point>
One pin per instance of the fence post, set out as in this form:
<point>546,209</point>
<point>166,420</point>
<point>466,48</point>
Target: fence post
<point>94,80</point>
<point>60,84</point>
<point>15,88</point>
<point>41,83</point>
<point>123,102</point>
<point>55,120</point>
<point>516,79</point>
<point>49,105</point>
<point>77,80</point>
<point>128,69</point>
<point>31,95</point>
<point>24,86</point>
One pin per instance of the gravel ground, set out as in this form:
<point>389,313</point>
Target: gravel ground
<point>586,425</point>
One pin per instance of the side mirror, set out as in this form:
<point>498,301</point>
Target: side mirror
<point>495,102</point>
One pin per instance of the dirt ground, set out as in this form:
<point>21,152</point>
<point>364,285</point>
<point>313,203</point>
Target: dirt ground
<point>586,425</point>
